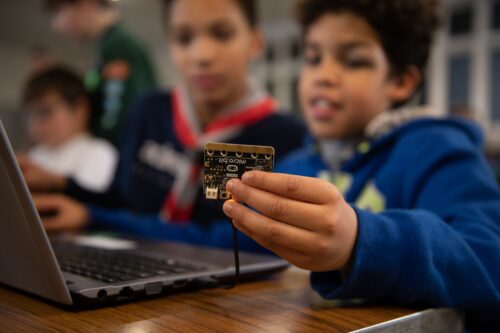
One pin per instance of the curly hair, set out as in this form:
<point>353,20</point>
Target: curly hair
<point>405,27</point>
<point>248,8</point>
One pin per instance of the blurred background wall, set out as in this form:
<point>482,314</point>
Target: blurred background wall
<point>464,75</point>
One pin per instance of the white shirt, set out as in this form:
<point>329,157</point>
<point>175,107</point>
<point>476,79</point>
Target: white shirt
<point>91,162</point>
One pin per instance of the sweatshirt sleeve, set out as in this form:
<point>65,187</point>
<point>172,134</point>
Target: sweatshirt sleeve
<point>443,249</point>
<point>217,234</point>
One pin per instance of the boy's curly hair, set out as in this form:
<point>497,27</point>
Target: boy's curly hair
<point>405,27</point>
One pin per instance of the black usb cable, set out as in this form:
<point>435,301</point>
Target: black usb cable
<point>236,260</point>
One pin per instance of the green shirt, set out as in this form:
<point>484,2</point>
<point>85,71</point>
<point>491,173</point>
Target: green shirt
<point>122,73</point>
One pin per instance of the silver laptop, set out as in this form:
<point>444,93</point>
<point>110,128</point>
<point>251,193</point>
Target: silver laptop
<point>82,269</point>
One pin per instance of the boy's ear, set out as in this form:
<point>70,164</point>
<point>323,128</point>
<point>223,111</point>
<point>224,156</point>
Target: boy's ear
<point>257,46</point>
<point>82,109</point>
<point>404,85</point>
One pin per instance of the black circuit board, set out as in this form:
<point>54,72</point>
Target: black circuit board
<point>225,161</point>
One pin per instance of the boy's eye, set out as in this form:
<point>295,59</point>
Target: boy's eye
<point>222,34</point>
<point>355,60</point>
<point>358,63</point>
<point>312,60</point>
<point>312,57</point>
<point>183,38</point>
<point>41,113</point>
<point>312,54</point>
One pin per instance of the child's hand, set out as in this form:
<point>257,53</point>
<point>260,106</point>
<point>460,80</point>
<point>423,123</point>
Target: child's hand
<point>60,213</point>
<point>39,179</point>
<point>304,220</point>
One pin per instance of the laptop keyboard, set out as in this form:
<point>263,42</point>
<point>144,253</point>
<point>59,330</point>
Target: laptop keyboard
<point>113,266</point>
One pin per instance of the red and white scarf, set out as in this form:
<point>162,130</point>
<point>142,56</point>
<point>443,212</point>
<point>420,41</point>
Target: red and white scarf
<point>254,107</point>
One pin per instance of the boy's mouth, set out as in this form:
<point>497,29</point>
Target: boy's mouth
<point>323,108</point>
<point>205,82</point>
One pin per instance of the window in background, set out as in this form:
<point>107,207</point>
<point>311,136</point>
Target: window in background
<point>495,86</point>
<point>459,81</point>
<point>270,55</point>
<point>294,95</point>
<point>496,15</point>
<point>295,49</point>
<point>461,21</point>
<point>422,94</point>
<point>270,87</point>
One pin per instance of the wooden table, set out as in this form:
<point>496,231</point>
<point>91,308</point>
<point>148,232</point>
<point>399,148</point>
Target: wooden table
<point>281,303</point>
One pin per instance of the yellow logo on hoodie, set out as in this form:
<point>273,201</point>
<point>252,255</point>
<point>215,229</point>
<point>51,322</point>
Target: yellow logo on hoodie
<point>370,199</point>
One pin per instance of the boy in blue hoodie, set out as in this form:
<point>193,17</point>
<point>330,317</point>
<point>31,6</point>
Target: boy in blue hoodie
<point>405,207</point>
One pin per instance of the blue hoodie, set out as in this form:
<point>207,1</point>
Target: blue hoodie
<point>428,209</point>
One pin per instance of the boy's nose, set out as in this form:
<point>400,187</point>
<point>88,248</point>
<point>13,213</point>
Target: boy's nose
<point>328,73</point>
<point>203,52</point>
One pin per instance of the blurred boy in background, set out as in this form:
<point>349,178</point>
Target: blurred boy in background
<point>122,71</point>
<point>58,111</point>
<point>411,210</point>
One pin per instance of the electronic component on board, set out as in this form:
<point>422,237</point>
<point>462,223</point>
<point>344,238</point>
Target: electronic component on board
<point>225,161</point>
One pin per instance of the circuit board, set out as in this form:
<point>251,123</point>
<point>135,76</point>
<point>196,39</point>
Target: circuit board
<point>223,161</point>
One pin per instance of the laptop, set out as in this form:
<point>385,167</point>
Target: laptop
<point>78,269</point>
